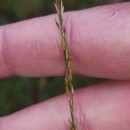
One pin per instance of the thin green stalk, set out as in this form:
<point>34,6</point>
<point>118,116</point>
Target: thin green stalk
<point>68,75</point>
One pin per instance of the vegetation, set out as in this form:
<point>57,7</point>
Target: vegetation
<point>68,74</point>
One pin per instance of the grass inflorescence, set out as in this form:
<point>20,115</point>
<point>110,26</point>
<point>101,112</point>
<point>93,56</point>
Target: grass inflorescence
<point>68,75</point>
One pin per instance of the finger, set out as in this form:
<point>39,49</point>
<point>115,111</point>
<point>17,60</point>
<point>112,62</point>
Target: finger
<point>98,40</point>
<point>99,107</point>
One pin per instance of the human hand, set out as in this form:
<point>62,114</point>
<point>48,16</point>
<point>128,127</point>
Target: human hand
<point>99,46</point>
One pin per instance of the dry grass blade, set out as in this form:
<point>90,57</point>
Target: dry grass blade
<point>68,76</point>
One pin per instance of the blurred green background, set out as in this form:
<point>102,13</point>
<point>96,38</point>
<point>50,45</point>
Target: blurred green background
<point>17,93</point>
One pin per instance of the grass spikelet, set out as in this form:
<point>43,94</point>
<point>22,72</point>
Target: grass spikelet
<point>68,75</point>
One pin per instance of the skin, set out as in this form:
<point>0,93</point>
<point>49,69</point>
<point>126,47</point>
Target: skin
<point>99,44</point>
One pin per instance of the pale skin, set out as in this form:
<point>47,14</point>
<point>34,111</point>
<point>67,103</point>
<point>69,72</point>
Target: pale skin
<point>99,44</point>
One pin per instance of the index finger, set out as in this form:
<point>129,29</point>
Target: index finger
<point>98,40</point>
<point>103,106</point>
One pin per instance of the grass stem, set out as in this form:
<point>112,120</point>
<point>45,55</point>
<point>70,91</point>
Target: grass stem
<point>68,75</point>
